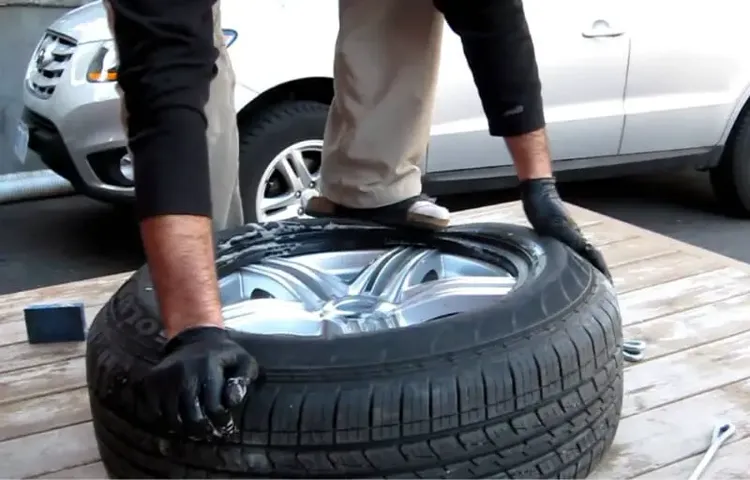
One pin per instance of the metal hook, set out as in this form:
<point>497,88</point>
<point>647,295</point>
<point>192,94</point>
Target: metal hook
<point>632,357</point>
<point>634,345</point>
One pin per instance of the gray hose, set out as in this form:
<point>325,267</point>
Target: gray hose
<point>34,185</point>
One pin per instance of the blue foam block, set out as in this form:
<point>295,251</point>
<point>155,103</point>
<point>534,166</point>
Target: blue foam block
<point>57,322</point>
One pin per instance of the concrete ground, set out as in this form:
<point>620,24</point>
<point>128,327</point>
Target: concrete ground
<point>66,239</point>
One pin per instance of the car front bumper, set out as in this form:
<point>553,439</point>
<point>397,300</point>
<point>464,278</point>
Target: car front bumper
<point>77,131</point>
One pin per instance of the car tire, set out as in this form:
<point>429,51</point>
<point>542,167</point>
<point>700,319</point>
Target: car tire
<point>730,180</point>
<point>530,387</point>
<point>267,135</point>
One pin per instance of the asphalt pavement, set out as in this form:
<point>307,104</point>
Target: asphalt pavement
<point>60,240</point>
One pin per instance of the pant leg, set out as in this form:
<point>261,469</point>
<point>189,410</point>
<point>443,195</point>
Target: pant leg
<point>500,53</point>
<point>223,138</point>
<point>223,141</point>
<point>385,72</point>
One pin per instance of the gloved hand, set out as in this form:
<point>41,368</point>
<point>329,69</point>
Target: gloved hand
<point>546,213</point>
<point>202,376</point>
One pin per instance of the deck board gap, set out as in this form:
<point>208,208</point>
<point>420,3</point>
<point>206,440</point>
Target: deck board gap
<point>661,406</point>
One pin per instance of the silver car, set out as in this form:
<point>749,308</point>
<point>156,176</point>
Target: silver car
<point>628,86</point>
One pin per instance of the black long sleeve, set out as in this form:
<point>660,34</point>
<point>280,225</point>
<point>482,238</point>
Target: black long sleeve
<point>167,61</point>
<point>500,52</point>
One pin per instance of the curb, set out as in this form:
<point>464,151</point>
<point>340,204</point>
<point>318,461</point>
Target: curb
<point>32,185</point>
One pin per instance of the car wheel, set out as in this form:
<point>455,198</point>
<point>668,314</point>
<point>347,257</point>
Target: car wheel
<point>280,154</point>
<point>483,351</point>
<point>731,178</point>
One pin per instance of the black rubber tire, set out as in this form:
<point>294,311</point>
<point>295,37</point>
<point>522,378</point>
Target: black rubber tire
<point>530,388</point>
<point>267,135</point>
<point>730,180</point>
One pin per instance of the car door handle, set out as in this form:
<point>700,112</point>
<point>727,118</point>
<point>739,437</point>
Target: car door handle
<point>601,28</point>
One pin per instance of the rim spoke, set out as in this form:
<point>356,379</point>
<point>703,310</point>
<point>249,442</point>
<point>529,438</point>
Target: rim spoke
<point>398,269</point>
<point>280,202</point>
<point>261,281</point>
<point>373,278</point>
<point>290,175</point>
<point>298,162</point>
<point>449,296</point>
<point>277,317</point>
<point>418,266</point>
<point>324,285</point>
<point>285,213</point>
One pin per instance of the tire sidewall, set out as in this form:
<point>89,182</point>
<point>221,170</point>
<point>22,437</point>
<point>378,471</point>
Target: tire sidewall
<point>730,180</point>
<point>741,163</point>
<point>262,141</point>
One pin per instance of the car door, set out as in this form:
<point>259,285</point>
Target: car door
<point>688,66</point>
<point>583,63</point>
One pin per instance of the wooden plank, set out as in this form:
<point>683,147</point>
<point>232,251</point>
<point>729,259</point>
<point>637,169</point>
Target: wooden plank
<point>590,222</point>
<point>24,355</point>
<point>92,470</point>
<point>15,331</point>
<point>673,432</point>
<point>512,212</point>
<point>683,294</point>
<point>42,413</point>
<point>95,291</point>
<point>43,380</point>
<point>658,382</point>
<point>657,270</point>
<point>696,326</point>
<point>732,461</point>
<point>616,224</point>
<point>49,451</point>
<point>633,249</point>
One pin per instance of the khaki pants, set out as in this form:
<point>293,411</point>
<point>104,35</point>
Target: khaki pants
<point>385,72</point>
<point>223,143</point>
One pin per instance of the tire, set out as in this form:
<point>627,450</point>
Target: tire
<point>730,180</point>
<point>529,388</point>
<point>267,135</point>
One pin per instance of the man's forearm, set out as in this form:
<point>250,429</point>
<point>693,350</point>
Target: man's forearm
<point>180,252</point>
<point>530,154</point>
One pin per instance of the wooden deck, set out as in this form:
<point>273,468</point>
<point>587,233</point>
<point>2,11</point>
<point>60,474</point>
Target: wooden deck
<point>692,307</point>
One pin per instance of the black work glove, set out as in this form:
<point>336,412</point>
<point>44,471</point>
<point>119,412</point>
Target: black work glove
<point>202,376</point>
<point>546,213</point>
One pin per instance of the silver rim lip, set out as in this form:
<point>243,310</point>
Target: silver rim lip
<point>289,163</point>
<point>335,294</point>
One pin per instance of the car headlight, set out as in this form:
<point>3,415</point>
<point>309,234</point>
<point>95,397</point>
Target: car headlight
<point>103,67</point>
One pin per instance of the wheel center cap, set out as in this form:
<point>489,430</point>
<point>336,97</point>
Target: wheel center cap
<point>356,308</point>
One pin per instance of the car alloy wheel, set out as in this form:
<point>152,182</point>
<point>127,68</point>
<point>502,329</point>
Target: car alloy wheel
<point>291,175</point>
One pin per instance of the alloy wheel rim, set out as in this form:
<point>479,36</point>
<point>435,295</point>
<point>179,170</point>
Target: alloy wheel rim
<point>334,294</point>
<point>292,175</point>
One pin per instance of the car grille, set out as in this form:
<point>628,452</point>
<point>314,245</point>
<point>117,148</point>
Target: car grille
<point>48,63</point>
